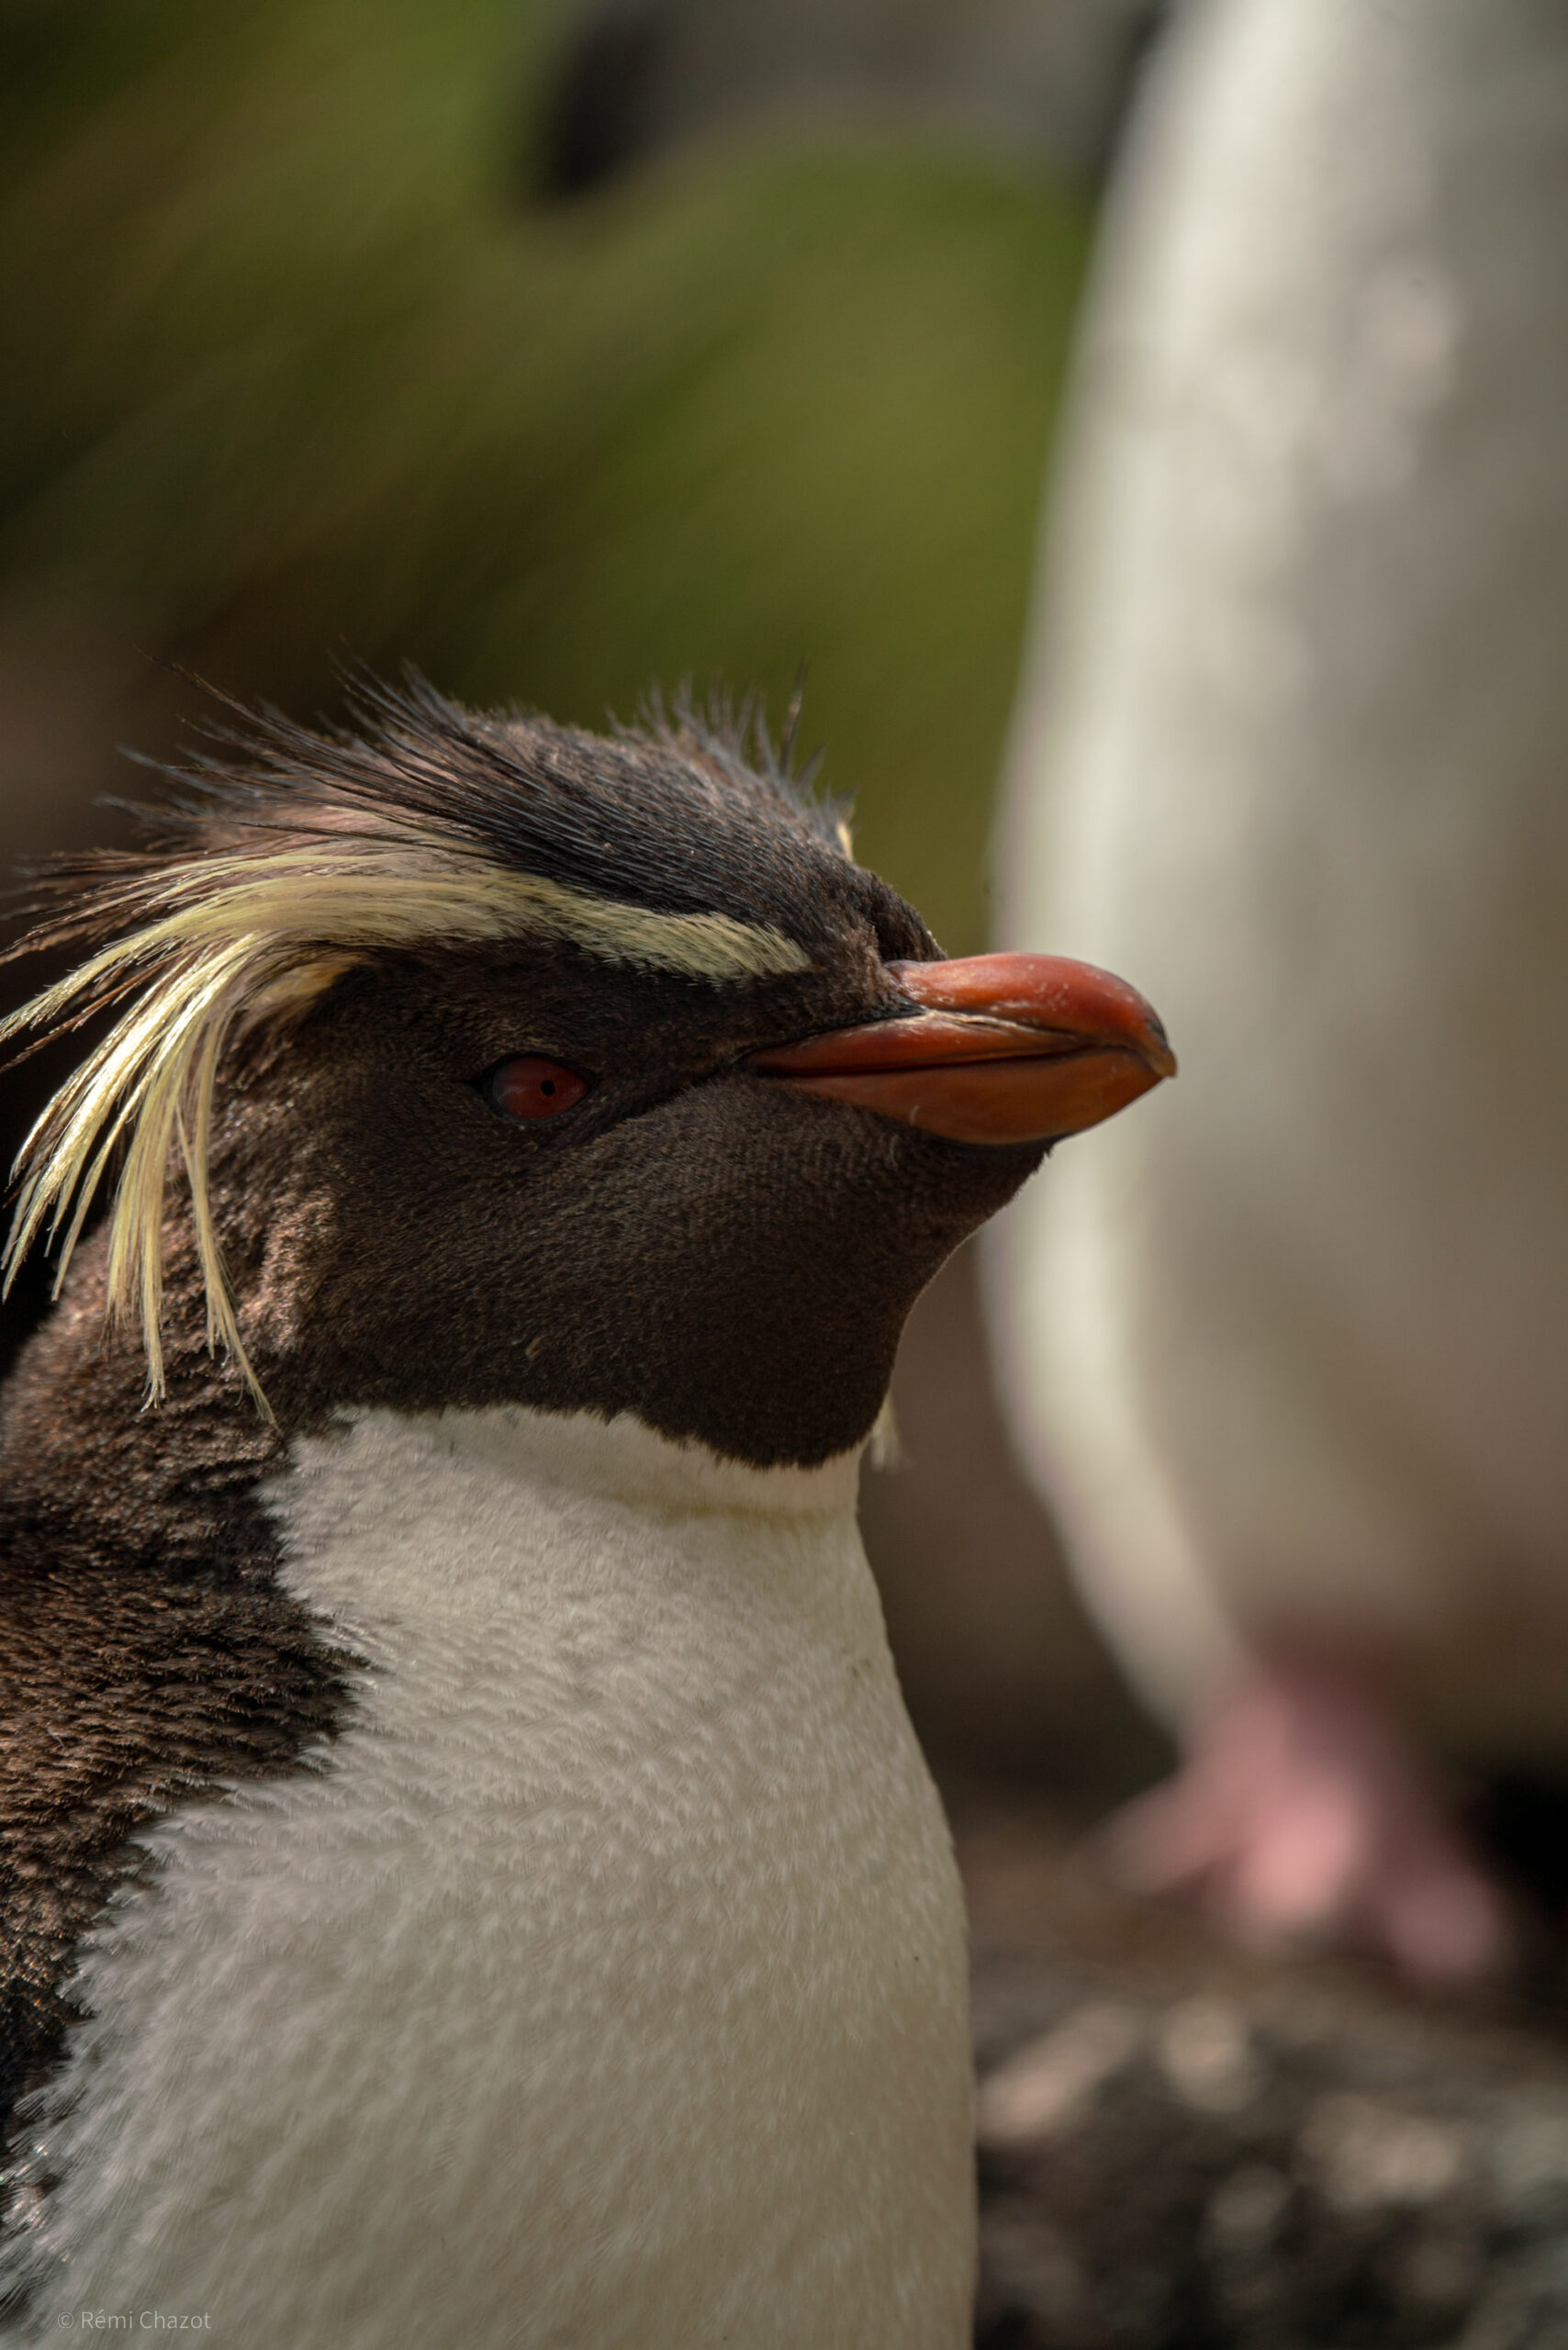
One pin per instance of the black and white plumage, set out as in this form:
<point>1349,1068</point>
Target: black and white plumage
<point>472,1876</point>
<point>1291,1353</point>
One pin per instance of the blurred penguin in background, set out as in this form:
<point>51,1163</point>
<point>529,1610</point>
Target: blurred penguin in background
<point>1290,1353</point>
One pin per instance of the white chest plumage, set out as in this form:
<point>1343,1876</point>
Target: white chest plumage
<point>602,1984</point>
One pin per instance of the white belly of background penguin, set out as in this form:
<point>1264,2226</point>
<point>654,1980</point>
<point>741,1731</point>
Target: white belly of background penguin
<point>475,1882</point>
<point>1292,1352</point>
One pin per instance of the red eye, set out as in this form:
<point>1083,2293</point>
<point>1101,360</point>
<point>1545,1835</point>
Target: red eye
<point>531,1087</point>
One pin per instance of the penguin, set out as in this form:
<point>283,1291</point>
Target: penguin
<point>470,1876</point>
<point>1290,1353</point>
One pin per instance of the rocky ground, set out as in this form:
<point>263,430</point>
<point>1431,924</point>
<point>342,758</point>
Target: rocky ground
<point>1182,2148</point>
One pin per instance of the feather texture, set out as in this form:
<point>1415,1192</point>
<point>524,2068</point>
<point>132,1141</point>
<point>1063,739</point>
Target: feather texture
<point>319,853</point>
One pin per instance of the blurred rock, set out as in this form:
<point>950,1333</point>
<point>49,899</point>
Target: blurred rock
<point>1182,2149</point>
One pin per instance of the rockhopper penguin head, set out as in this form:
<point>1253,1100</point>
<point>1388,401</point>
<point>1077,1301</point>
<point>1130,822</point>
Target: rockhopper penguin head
<point>466,1060</point>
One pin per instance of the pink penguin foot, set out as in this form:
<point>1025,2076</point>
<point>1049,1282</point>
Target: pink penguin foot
<point>1301,1815</point>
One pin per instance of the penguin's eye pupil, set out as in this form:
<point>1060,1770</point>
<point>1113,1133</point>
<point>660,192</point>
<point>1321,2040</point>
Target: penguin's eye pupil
<point>532,1086</point>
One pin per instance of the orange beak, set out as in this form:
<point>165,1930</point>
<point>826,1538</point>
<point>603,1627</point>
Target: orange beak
<point>996,1049</point>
